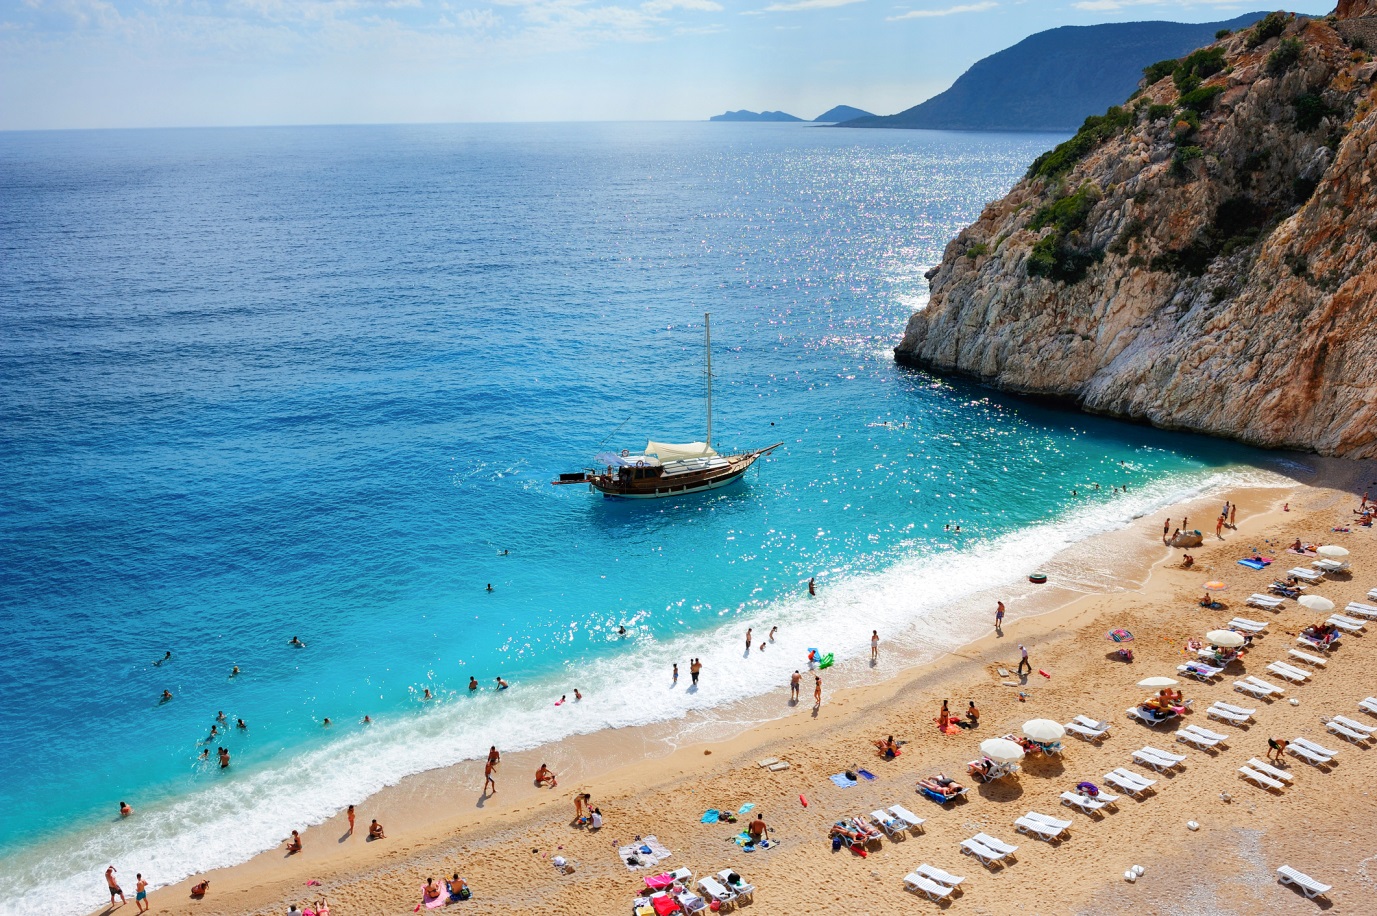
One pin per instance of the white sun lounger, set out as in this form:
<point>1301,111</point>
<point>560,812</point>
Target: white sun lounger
<point>1315,746</point>
<point>1084,731</point>
<point>1084,802</point>
<point>1330,566</point>
<point>1200,671</point>
<point>1287,671</point>
<point>997,845</point>
<point>1261,693</point>
<point>1362,610</point>
<point>933,873</point>
<point>1261,683</point>
<point>1203,733</point>
<point>1036,827</point>
<point>1223,712</point>
<point>739,886</point>
<point>911,820</point>
<point>1186,734</point>
<point>1274,772</point>
<point>1157,759</point>
<point>1347,624</point>
<point>1346,722</point>
<point>1373,594</point>
<point>985,854</point>
<point>1348,734</point>
<point>1261,779</point>
<point>716,891</point>
<point>1314,643</point>
<point>1368,705</point>
<point>1307,658</point>
<point>1251,626</point>
<point>889,823</point>
<point>1136,712</point>
<point>934,891</point>
<point>1129,781</point>
<point>1312,888</point>
<point>1305,575</point>
<point>1266,602</point>
<point>1309,756</point>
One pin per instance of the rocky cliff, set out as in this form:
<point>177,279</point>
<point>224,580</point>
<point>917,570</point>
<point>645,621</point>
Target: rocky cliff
<point>1201,258</point>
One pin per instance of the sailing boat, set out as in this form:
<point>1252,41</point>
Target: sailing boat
<point>668,469</point>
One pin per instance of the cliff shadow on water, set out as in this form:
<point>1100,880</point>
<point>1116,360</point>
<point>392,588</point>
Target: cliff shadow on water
<point>1199,258</point>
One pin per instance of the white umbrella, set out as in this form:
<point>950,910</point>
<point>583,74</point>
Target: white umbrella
<point>1044,730</point>
<point>1158,682</point>
<point>1331,550</point>
<point>1226,638</point>
<point>1001,750</point>
<point>1315,602</point>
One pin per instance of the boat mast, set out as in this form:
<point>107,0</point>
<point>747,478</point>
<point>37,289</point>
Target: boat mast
<point>707,344</point>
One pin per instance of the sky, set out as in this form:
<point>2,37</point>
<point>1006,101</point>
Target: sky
<point>176,63</point>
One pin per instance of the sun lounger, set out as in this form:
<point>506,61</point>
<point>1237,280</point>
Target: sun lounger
<point>1274,772</point>
<point>1287,671</point>
<point>1142,715</point>
<point>1039,828</point>
<point>985,854</point>
<point>1320,644</point>
<point>1330,566</point>
<point>1363,727</point>
<point>1309,756</point>
<point>1129,781</point>
<point>1347,624</point>
<point>1159,760</point>
<point>1250,626</point>
<point>1307,658</point>
<point>1108,799</point>
<point>1362,610</point>
<point>889,823</point>
<point>933,873</point>
<point>1267,684</point>
<point>691,903</point>
<point>1373,594</point>
<point>1261,693</point>
<point>911,820</point>
<point>1305,575</point>
<point>1084,802</point>
<point>1087,734</point>
<point>1237,710</point>
<point>716,891</point>
<point>998,846</point>
<point>1368,705</point>
<point>1222,712</point>
<point>1348,734</point>
<point>934,891</point>
<point>1200,671</point>
<point>1312,888</point>
<point>1266,602</point>
<point>1260,779</point>
<point>1200,737</point>
<point>1315,746</point>
<point>739,886</point>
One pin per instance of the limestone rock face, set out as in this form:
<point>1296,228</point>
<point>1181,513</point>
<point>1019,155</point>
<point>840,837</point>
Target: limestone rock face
<point>1356,9</point>
<point>1220,278</point>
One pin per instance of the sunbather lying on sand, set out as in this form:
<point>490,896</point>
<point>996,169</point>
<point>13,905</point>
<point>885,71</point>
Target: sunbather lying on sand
<point>941,785</point>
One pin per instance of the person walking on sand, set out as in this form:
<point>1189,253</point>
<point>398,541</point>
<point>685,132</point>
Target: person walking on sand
<point>1166,526</point>
<point>114,886</point>
<point>1023,660</point>
<point>748,639</point>
<point>794,683</point>
<point>695,666</point>
<point>487,778</point>
<point>140,894</point>
<point>999,615</point>
<point>1233,516</point>
<point>817,692</point>
<point>350,814</point>
<point>1219,527</point>
<point>1276,746</point>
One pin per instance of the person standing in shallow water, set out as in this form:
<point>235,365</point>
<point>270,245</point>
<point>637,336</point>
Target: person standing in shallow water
<point>812,590</point>
<point>817,692</point>
<point>794,683</point>
<point>695,666</point>
<point>999,616</point>
<point>748,639</point>
<point>874,645</point>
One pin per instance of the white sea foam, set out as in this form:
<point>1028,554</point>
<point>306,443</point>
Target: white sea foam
<point>916,602</point>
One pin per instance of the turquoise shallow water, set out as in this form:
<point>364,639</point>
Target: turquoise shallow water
<point>312,382</point>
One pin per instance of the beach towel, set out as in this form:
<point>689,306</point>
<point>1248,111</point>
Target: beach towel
<point>841,781</point>
<point>432,904</point>
<point>659,882</point>
<point>1251,564</point>
<point>865,774</point>
<point>664,905</point>
<point>709,816</point>
<point>746,807</point>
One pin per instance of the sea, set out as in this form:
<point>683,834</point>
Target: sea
<point>258,384</point>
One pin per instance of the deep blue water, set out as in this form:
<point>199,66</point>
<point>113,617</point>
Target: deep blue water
<point>258,383</point>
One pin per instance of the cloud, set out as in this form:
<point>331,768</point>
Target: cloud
<point>950,11</point>
<point>664,6</point>
<point>1109,6</point>
<point>797,5</point>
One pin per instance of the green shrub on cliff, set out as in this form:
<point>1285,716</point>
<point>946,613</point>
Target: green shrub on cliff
<point>1284,56</point>
<point>1202,99</point>
<point>1196,67</point>
<point>1067,214</point>
<point>1154,72</point>
<point>1310,111</point>
<point>1095,130</point>
<point>1183,157</point>
<point>1272,25</point>
<point>1158,112</point>
<point>1053,259</point>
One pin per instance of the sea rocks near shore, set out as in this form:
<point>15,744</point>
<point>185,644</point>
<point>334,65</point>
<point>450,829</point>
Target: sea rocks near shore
<point>1200,258</point>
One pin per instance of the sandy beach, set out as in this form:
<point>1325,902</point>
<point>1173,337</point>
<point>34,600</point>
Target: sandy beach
<point>503,845</point>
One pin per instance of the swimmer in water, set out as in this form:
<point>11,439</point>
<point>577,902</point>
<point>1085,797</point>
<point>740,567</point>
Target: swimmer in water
<point>427,696</point>
<point>812,589</point>
<point>214,730</point>
<point>473,684</point>
<point>621,631</point>
<point>501,684</point>
<point>235,671</point>
<point>240,724</point>
<point>561,700</point>
<point>167,695</point>
<point>167,657</point>
<point>489,586</point>
<point>367,720</point>
<point>296,642</point>
<point>325,723</point>
<point>220,716</point>
<point>205,754</point>
<point>773,631</point>
<point>224,757</point>
<point>577,696</point>
<point>125,810</point>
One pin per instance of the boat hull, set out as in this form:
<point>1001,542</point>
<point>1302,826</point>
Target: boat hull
<point>674,490</point>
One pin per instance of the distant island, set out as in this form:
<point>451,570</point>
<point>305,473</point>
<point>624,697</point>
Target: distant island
<point>1055,79</point>
<point>841,114</point>
<point>744,115</point>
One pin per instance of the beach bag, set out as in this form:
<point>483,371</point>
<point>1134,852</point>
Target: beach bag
<point>836,843</point>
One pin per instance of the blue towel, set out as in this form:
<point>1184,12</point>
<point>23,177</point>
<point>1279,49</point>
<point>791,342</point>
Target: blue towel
<point>1252,564</point>
<point>841,781</point>
<point>866,773</point>
<point>746,807</point>
<point>710,816</point>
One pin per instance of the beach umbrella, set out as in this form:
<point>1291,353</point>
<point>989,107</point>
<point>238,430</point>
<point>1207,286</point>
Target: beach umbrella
<point>1119,635</point>
<point>1226,638</point>
<point>1315,602</point>
<point>1331,550</point>
<point>1158,682</point>
<point>1001,750</point>
<point>1044,730</point>
<point>1215,586</point>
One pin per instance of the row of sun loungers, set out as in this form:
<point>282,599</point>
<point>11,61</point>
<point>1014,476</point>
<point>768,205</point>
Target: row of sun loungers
<point>1200,671</point>
<point>1246,625</point>
<point>1087,728</point>
<point>1259,688</point>
<point>934,882</point>
<point>1342,727</point>
<point>1086,803</point>
<point>1265,602</point>
<point>1311,752</point>
<point>1306,575</point>
<point>1202,738</point>
<point>1158,759</point>
<point>1041,826</point>
<point>1290,672</point>
<point>1129,781</point>
<point>1362,610</point>
<point>1265,775</point>
<point>1227,712</point>
<point>987,849</point>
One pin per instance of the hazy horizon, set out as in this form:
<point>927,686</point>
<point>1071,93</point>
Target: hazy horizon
<point>74,64</point>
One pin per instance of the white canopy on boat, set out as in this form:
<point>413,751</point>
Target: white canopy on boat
<point>669,452</point>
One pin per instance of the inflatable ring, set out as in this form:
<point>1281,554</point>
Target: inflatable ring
<point>626,452</point>
<point>640,464</point>
<point>1037,578</point>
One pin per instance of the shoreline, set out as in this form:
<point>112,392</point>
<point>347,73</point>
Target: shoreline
<point>419,811</point>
